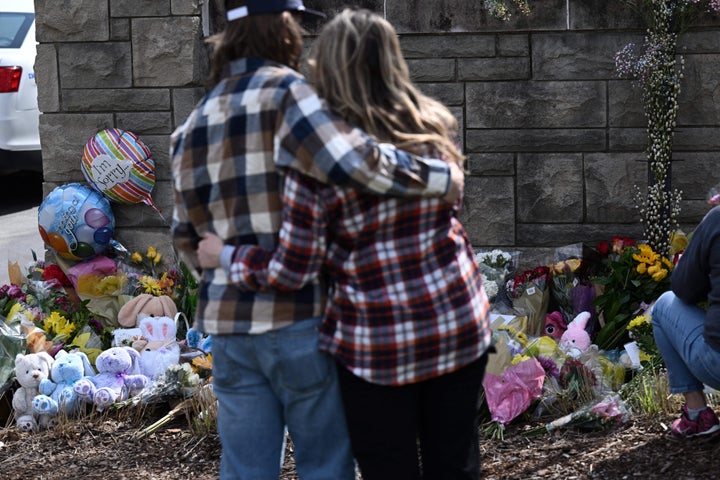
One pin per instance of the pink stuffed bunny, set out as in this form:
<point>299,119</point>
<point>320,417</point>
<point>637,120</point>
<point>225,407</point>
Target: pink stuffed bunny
<point>576,340</point>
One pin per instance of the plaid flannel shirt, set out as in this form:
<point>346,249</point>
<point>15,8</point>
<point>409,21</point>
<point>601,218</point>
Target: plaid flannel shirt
<point>406,302</point>
<point>262,117</point>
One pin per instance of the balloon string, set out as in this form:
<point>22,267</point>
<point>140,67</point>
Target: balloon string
<point>149,201</point>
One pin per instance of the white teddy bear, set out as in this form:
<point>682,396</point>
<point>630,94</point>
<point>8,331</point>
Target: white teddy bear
<point>30,370</point>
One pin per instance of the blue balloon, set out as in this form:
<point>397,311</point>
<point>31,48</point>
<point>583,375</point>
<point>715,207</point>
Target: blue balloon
<point>76,221</point>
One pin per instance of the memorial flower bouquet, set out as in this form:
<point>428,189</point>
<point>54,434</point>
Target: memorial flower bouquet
<point>636,278</point>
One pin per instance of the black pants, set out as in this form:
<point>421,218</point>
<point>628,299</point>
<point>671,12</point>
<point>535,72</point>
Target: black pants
<point>426,430</point>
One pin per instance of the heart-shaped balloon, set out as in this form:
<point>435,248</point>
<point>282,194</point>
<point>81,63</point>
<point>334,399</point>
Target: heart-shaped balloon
<point>118,164</point>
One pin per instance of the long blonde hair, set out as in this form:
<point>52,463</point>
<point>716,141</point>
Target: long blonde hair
<point>272,36</point>
<point>359,69</point>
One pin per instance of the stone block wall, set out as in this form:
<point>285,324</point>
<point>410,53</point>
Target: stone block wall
<point>555,141</point>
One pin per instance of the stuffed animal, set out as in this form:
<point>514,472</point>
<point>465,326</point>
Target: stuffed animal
<point>576,339</point>
<point>159,349</point>
<point>195,339</point>
<point>56,393</point>
<point>554,325</point>
<point>30,370</point>
<point>119,377</point>
<point>146,305</point>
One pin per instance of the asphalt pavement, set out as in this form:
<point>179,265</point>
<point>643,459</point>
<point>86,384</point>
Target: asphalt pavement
<point>20,196</point>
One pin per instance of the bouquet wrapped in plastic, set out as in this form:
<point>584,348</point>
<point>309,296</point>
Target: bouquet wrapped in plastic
<point>495,266</point>
<point>529,294</point>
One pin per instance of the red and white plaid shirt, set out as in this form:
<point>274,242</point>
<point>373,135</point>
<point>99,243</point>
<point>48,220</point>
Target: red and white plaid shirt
<point>406,301</point>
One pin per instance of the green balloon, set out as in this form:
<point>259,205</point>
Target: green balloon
<point>83,250</point>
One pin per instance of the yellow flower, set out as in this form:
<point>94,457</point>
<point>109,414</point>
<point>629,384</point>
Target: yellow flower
<point>151,286</point>
<point>519,358</point>
<point>641,268</point>
<point>667,263</point>
<point>638,321</point>
<point>646,255</point>
<point>660,275</point>
<point>151,252</point>
<point>58,325</point>
<point>136,257</point>
<point>157,258</point>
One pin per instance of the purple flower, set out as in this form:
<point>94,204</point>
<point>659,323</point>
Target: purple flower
<point>14,292</point>
<point>548,364</point>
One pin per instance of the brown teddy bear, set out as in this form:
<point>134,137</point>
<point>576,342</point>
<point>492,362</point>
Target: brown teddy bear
<point>147,305</point>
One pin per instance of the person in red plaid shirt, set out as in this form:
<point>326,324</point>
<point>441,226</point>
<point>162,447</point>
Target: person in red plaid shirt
<point>260,117</point>
<point>406,318</point>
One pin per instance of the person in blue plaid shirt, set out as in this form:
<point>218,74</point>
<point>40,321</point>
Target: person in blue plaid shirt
<point>406,317</point>
<point>262,117</point>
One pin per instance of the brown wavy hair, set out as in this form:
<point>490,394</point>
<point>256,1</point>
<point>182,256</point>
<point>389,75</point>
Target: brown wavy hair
<point>273,36</point>
<point>359,69</point>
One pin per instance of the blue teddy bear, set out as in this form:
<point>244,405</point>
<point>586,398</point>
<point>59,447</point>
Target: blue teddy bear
<point>56,393</point>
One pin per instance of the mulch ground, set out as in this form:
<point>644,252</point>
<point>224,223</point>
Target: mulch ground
<point>108,446</point>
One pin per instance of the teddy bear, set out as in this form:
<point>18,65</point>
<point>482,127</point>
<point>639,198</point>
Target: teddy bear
<point>30,371</point>
<point>576,340</point>
<point>119,377</point>
<point>56,393</point>
<point>159,347</point>
<point>146,305</point>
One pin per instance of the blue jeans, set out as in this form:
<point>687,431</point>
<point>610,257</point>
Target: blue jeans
<point>678,330</point>
<point>270,381</point>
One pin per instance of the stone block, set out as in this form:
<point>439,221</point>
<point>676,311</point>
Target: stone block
<point>186,7</point>
<point>499,68</point>
<point>576,56</point>
<point>696,139</point>
<point>120,29</point>
<point>138,239</point>
<point>46,76</point>
<point>572,104</point>
<point>453,45</point>
<point>625,107</point>
<point>535,140</point>
<point>95,65</point>
<point>133,216</point>
<point>488,212</point>
<point>76,21</point>
<point>423,16</point>
<point>606,14</point>
<point>491,164</point>
<point>627,139</point>
<point>535,235</point>
<point>694,174</point>
<point>161,59</point>
<point>509,45</point>
<point>549,188</point>
<point>610,181</point>
<point>159,146</point>
<point>108,100</point>
<point>432,69</point>
<point>63,137</point>
<point>140,8</point>
<point>145,123</point>
<point>183,102</point>
<point>699,97</point>
<point>446,93</point>
<point>699,42</point>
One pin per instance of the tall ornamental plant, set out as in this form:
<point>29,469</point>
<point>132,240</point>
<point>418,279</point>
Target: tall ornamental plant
<point>657,70</point>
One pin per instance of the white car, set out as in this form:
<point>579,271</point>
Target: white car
<point>19,115</point>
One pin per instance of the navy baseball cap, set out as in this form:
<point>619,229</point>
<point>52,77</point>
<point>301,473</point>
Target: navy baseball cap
<point>259,7</point>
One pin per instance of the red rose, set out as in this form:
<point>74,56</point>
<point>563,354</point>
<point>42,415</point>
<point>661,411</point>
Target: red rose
<point>54,275</point>
<point>603,247</point>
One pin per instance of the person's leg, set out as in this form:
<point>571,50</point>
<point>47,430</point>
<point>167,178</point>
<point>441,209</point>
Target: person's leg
<point>306,381</point>
<point>678,330</point>
<point>449,425</point>
<point>383,427</point>
<point>249,416</point>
